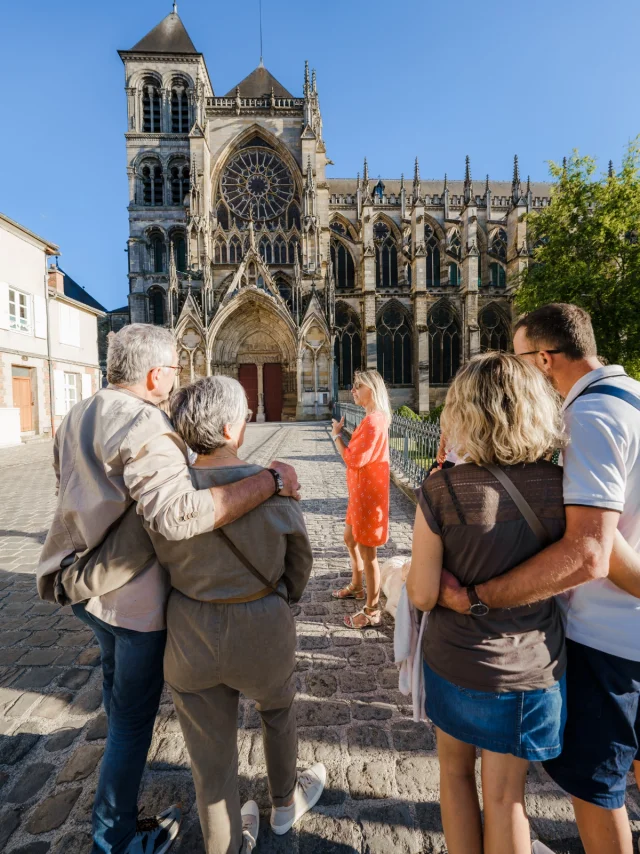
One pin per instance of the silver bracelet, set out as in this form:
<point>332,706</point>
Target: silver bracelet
<point>335,438</point>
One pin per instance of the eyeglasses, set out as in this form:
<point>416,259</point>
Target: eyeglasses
<point>535,352</point>
<point>248,416</point>
<point>177,368</point>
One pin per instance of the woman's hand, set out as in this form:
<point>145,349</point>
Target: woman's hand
<point>336,426</point>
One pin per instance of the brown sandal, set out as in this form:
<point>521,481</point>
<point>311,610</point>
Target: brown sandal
<point>349,592</point>
<point>373,618</point>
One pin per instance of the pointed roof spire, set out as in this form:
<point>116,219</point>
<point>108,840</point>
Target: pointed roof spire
<point>307,86</point>
<point>402,181</point>
<point>486,186</point>
<point>610,173</point>
<point>366,172</point>
<point>564,165</point>
<point>358,185</point>
<point>169,36</point>
<point>468,183</point>
<point>309,171</point>
<point>528,184</point>
<point>416,172</point>
<point>446,183</point>
<point>314,83</point>
<point>515,184</point>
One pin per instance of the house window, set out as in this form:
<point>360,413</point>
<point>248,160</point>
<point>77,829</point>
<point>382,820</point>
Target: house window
<point>19,311</point>
<point>72,390</point>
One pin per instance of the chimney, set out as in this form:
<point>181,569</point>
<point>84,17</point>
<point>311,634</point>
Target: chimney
<point>55,279</point>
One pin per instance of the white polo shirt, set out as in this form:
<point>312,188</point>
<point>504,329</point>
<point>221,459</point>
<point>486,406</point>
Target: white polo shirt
<point>602,469</point>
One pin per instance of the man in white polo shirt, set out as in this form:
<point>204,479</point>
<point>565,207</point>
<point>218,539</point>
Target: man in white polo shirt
<point>598,560</point>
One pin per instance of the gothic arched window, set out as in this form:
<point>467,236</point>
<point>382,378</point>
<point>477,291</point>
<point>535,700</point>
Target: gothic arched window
<point>285,291</point>
<point>266,250</point>
<point>455,244</point>
<point>394,346</point>
<point>156,306</point>
<point>157,252</point>
<point>348,345</point>
<point>494,334</point>
<point>222,213</point>
<point>444,344</point>
<point>455,276</point>
<point>499,244</point>
<point>339,228</point>
<point>386,256</point>
<point>279,251</point>
<point>179,183</point>
<point>293,251</point>
<point>220,252</point>
<point>497,275</point>
<point>180,252</point>
<point>152,190</point>
<point>433,257</point>
<point>151,106</point>
<point>179,107</point>
<point>235,251</point>
<point>344,271</point>
<point>293,216</point>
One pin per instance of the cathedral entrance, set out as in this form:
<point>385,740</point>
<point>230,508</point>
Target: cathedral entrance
<point>248,377</point>
<point>273,391</point>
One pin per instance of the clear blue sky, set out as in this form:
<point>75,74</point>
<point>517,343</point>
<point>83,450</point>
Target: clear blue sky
<point>396,80</point>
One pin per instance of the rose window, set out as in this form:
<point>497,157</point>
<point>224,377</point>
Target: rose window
<point>257,185</point>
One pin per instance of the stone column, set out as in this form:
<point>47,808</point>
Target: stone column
<point>260,416</point>
<point>471,342</point>
<point>419,297</point>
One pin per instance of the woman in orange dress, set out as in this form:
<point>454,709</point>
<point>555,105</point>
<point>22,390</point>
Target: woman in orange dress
<point>367,523</point>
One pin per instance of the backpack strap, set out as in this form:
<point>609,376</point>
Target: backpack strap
<point>613,391</point>
<point>521,503</point>
<point>247,563</point>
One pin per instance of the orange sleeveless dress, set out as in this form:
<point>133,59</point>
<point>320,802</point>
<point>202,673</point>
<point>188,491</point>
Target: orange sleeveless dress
<point>367,461</point>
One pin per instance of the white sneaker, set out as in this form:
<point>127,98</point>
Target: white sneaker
<point>250,825</point>
<point>306,795</point>
<point>540,848</point>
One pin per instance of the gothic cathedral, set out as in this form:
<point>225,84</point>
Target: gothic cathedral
<point>271,272</point>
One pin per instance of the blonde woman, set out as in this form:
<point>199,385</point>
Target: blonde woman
<point>367,523</point>
<point>494,679</point>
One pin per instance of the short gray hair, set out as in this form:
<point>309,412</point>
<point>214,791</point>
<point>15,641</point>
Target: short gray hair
<point>200,411</point>
<point>137,349</point>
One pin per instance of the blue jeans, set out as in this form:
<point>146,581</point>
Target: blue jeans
<point>133,681</point>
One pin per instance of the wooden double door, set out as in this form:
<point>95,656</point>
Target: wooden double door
<point>272,388</point>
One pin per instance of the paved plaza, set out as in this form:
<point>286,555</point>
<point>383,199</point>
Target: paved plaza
<point>382,792</point>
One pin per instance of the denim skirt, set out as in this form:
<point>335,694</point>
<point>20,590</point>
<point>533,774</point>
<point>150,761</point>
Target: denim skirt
<point>527,724</point>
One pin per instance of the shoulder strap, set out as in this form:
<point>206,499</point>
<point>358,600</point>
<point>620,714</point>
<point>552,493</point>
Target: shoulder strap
<point>521,503</point>
<point>613,391</point>
<point>247,563</point>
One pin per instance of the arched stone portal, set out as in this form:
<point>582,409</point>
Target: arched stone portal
<point>255,330</point>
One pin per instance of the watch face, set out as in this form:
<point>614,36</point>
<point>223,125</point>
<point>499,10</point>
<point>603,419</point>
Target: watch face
<point>479,609</point>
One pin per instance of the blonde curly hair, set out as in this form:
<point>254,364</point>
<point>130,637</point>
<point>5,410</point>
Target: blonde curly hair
<point>501,409</point>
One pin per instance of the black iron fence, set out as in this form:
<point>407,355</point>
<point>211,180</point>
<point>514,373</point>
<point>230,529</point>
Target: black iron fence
<point>413,445</point>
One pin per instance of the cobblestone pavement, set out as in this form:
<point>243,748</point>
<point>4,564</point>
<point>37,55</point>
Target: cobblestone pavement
<point>382,794</point>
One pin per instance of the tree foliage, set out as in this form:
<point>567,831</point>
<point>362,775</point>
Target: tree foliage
<point>586,250</point>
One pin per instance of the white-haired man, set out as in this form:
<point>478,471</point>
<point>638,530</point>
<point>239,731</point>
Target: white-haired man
<point>115,453</point>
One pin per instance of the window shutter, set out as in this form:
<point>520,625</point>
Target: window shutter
<point>58,388</point>
<point>86,386</point>
<point>4,305</point>
<point>63,315</point>
<point>74,327</point>
<point>40,316</point>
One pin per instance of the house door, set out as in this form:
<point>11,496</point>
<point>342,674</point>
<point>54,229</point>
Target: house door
<point>22,400</point>
<point>273,391</point>
<point>248,377</point>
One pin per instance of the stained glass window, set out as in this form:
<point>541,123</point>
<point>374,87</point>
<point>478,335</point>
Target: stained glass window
<point>493,330</point>
<point>394,346</point>
<point>433,257</point>
<point>257,184</point>
<point>444,344</point>
<point>348,345</point>
<point>386,257</point>
<point>499,244</point>
<point>343,267</point>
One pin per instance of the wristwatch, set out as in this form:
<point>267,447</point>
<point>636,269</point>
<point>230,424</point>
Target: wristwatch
<point>336,437</point>
<point>277,477</point>
<point>478,608</point>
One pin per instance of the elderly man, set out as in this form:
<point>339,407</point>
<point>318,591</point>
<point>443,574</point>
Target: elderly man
<point>602,497</point>
<point>113,452</point>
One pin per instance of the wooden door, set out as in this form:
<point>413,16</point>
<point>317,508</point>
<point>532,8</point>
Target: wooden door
<point>248,377</point>
<point>22,399</point>
<point>273,391</point>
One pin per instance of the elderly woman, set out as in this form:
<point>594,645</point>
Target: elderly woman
<point>494,679</point>
<point>230,629</point>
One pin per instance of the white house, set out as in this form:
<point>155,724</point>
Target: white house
<point>48,337</point>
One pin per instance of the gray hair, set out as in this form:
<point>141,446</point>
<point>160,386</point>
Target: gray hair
<point>200,411</point>
<point>137,349</point>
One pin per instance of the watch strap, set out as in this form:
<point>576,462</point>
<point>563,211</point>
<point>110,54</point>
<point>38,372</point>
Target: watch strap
<point>277,479</point>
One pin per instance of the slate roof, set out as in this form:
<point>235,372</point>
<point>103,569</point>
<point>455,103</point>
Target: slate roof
<point>75,292</point>
<point>258,85</point>
<point>169,36</point>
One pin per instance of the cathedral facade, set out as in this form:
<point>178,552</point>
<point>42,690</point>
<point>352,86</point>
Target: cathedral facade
<point>274,273</point>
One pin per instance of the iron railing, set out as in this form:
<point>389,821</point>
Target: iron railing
<point>413,445</point>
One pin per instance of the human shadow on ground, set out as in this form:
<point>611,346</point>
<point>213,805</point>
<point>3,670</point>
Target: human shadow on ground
<point>40,536</point>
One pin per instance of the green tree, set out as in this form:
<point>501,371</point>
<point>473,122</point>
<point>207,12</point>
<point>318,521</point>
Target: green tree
<point>586,250</point>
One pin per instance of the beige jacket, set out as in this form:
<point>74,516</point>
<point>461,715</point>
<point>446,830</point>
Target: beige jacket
<point>272,537</point>
<point>112,450</point>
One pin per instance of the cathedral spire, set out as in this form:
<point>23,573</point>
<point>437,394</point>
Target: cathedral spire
<point>309,172</point>
<point>486,186</point>
<point>307,85</point>
<point>417,190</point>
<point>314,83</point>
<point>468,183</point>
<point>446,183</point>
<point>366,173</point>
<point>610,173</point>
<point>516,189</point>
